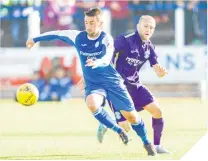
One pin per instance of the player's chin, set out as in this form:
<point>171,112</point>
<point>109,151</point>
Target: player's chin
<point>147,37</point>
<point>89,32</point>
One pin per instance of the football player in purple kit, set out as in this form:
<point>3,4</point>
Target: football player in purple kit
<point>131,52</point>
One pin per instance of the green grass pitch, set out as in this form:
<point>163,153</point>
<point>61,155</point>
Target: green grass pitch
<point>67,130</point>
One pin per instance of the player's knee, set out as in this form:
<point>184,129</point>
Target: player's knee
<point>157,113</point>
<point>92,104</point>
<point>132,118</point>
<point>154,109</point>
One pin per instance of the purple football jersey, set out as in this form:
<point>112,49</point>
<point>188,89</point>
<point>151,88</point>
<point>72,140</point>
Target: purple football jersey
<point>129,56</point>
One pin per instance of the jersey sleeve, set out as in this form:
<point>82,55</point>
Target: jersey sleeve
<point>153,56</point>
<point>109,46</point>
<point>119,45</point>
<point>67,36</point>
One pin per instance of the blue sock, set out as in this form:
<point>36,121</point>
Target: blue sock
<point>141,131</point>
<point>103,117</point>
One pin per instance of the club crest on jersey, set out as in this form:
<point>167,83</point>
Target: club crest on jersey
<point>117,115</point>
<point>147,54</point>
<point>97,44</point>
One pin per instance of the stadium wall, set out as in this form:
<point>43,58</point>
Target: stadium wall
<point>186,68</point>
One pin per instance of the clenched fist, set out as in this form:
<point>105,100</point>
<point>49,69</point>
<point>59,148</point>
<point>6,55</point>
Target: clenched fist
<point>30,43</point>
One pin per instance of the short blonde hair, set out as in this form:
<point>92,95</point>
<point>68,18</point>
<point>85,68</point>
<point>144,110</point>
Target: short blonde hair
<point>145,17</point>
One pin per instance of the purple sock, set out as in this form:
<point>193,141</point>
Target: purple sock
<point>157,125</point>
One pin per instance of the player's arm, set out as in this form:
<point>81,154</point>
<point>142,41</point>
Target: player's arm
<point>67,36</point>
<point>159,69</point>
<point>81,84</point>
<point>106,59</point>
<point>120,46</point>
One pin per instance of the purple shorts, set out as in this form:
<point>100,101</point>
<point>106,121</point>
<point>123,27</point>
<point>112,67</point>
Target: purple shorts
<point>141,97</point>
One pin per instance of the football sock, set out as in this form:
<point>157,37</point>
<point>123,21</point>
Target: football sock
<point>157,125</point>
<point>103,117</point>
<point>141,131</point>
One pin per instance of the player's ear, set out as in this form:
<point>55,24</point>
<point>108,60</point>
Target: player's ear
<point>138,26</point>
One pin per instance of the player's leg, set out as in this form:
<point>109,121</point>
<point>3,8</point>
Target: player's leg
<point>120,120</point>
<point>138,126</point>
<point>94,100</point>
<point>122,101</point>
<point>148,102</point>
<point>125,125</point>
<point>157,125</point>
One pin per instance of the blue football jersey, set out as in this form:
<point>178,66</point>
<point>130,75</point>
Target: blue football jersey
<point>99,49</point>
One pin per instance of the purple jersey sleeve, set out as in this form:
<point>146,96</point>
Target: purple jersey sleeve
<point>119,47</point>
<point>153,56</point>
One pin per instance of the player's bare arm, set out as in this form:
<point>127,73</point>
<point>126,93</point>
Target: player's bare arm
<point>81,84</point>
<point>159,70</point>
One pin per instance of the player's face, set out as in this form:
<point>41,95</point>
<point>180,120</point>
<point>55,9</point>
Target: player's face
<point>146,28</point>
<point>92,25</point>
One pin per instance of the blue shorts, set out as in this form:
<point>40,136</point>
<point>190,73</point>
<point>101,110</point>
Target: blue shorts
<point>141,97</point>
<point>118,95</point>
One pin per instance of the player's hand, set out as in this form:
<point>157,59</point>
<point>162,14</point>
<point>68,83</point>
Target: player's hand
<point>161,71</point>
<point>91,63</point>
<point>81,84</point>
<point>30,43</point>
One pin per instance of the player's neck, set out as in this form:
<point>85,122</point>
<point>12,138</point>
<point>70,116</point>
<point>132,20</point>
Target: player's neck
<point>95,36</point>
<point>144,40</point>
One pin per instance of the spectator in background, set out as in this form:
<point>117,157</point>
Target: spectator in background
<point>59,15</point>
<point>19,28</point>
<point>161,13</point>
<point>120,14</point>
<point>81,7</point>
<point>60,85</point>
<point>49,16</point>
<point>39,82</point>
<point>189,21</point>
<point>136,12</point>
<point>202,9</point>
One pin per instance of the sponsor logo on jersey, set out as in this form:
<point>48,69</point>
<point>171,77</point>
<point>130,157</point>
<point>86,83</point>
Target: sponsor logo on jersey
<point>133,62</point>
<point>97,44</point>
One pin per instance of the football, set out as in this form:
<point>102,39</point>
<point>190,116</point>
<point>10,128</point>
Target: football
<point>27,94</point>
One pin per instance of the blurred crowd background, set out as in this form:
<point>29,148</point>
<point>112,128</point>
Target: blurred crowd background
<point>69,14</point>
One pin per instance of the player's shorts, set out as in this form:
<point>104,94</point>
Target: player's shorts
<point>141,97</point>
<point>118,95</point>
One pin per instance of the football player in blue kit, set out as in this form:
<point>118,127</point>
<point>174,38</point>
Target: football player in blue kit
<point>95,49</point>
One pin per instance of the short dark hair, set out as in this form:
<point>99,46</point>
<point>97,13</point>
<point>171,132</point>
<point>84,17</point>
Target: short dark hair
<point>93,12</point>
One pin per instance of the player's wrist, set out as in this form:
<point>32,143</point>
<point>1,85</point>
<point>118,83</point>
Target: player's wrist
<point>35,39</point>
